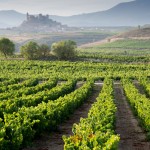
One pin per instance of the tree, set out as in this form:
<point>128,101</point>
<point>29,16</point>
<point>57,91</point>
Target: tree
<point>31,50</point>
<point>45,50</point>
<point>64,49</point>
<point>7,47</point>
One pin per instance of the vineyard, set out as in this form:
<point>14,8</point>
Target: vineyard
<point>74,105</point>
<point>128,50</point>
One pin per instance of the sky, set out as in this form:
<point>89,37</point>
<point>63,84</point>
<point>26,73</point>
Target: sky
<point>58,7</point>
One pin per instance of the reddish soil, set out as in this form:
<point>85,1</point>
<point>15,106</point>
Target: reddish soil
<point>53,141</point>
<point>132,135</point>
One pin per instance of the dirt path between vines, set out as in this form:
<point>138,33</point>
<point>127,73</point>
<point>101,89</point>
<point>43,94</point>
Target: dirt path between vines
<point>53,140</point>
<point>138,86</point>
<point>132,136</point>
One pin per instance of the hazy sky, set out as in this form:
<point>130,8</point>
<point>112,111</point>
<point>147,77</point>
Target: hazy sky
<point>58,7</point>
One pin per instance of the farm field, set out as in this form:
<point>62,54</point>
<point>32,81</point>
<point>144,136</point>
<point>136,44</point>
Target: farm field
<point>120,50</point>
<point>75,75</point>
<point>42,102</point>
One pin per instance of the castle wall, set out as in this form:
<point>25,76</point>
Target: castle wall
<point>39,17</point>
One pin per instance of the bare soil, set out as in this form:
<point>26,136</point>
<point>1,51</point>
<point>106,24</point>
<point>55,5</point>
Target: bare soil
<point>94,43</point>
<point>132,135</point>
<point>143,33</point>
<point>139,87</point>
<point>53,140</point>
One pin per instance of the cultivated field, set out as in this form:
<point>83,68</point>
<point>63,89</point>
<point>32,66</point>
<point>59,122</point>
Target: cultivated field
<point>117,50</point>
<point>101,101</point>
<point>41,102</point>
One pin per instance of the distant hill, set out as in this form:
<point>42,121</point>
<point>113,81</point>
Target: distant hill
<point>11,18</point>
<point>132,13</point>
<point>3,25</point>
<point>124,14</point>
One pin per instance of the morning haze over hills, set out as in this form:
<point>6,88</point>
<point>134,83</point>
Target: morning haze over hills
<point>124,14</point>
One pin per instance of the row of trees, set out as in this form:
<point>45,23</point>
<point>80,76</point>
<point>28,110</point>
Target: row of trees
<point>32,50</point>
<point>62,50</point>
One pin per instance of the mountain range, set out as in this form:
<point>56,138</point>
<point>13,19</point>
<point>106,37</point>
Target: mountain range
<point>132,13</point>
<point>11,18</point>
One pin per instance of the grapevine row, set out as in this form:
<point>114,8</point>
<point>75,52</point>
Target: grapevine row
<point>28,90</point>
<point>26,83</point>
<point>10,106</point>
<point>146,85</point>
<point>97,130</point>
<point>5,83</point>
<point>139,103</point>
<point>21,127</point>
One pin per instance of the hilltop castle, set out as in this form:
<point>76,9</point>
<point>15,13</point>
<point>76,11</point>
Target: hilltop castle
<point>40,17</point>
<point>41,23</point>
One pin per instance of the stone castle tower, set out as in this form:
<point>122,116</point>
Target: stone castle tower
<point>40,17</point>
<point>41,23</point>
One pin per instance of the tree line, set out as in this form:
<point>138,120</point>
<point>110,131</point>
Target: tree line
<point>63,50</point>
